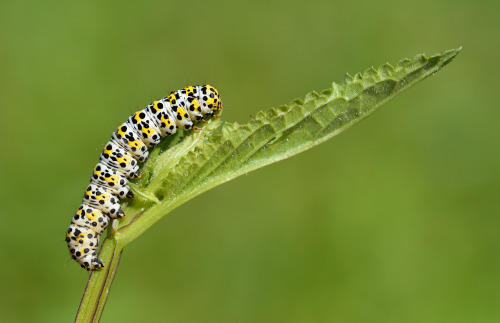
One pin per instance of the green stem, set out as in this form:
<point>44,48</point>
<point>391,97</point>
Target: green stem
<point>99,283</point>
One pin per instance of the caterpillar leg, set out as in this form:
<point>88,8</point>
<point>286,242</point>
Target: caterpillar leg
<point>91,262</point>
<point>120,214</point>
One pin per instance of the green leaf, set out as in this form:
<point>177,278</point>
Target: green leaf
<point>223,151</point>
<point>184,167</point>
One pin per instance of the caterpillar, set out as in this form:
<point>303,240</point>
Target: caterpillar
<point>119,160</point>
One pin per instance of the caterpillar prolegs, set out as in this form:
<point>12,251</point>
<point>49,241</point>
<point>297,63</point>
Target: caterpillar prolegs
<point>119,159</point>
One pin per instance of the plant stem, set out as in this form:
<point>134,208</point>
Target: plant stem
<point>99,283</point>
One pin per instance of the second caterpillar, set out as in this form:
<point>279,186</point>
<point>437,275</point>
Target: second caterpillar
<point>118,163</point>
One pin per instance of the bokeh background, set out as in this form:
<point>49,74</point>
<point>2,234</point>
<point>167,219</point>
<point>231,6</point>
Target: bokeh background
<point>395,220</point>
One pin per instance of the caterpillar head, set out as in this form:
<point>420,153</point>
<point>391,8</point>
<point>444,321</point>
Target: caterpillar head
<point>211,96</point>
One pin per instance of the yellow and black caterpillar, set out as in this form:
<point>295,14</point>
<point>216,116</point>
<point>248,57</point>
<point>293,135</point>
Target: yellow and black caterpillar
<point>119,161</point>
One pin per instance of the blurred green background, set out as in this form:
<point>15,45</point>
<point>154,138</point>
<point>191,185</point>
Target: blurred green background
<point>395,220</point>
